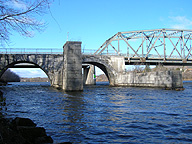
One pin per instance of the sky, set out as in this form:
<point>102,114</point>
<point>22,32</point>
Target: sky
<point>93,22</point>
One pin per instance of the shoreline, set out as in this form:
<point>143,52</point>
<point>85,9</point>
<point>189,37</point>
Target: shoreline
<point>20,130</point>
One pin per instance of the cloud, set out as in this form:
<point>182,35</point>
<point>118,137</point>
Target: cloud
<point>180,22</point>
<point>29,72</point>
<point>16,4</point>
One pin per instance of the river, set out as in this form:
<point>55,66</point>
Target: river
<point>103,114</point>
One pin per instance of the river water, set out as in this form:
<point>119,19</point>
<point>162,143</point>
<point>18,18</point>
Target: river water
<point>103,114</point>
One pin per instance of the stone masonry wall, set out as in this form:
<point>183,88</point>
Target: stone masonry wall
<point>72,69</point>
<point>51,64</point>
<point>164,79</point>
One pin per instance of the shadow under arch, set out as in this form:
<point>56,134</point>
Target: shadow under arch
<point>108,71</point>
<point>26,64</point>
<point>102,67</point>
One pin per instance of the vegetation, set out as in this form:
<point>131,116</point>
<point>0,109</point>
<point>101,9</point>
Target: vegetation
<point>36,79</point>
<point>138,68</point>
<point>187,75</point>
<point>101,78</point>
<point>2,103</point>
<point>10,76</point>
<point>146,68</point>
<point>160,68</point>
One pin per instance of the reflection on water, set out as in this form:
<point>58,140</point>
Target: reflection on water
<point>103,114</point>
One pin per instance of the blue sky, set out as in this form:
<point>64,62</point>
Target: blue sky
<point>93,22</point>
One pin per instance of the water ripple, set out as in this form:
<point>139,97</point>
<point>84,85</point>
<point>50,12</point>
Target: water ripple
<point>103,114</point>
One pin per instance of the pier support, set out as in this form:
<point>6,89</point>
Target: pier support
<point>160,79</point>
<point>72,69</point>
<point>89,75</point>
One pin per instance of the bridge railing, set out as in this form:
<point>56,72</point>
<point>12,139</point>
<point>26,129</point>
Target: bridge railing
<point>39,51</point>
<point>84,51</point>
<point>88,51</point>
<point>30,51</point>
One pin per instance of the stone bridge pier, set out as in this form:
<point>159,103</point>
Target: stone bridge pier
<point>72,67</point>
<point>89,77</point>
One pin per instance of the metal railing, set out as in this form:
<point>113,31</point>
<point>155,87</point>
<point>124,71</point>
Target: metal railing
<point>39,51</point>
<point>84,51</point>
<point>30,51</point>
<point>88,51</point>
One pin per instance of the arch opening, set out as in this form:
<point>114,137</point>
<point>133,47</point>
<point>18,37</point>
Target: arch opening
<point>101,73</point>
<point>27,71</point>
<point>101,77</point>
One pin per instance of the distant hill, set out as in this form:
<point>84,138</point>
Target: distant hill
<point>101,78</point>
<point>37,79</point>
<point>10,76</point>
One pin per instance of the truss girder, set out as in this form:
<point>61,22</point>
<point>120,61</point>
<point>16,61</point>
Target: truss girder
<point>163,43</point>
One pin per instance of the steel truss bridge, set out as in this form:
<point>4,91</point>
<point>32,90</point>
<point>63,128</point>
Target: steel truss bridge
<point>147,47</point>
<point>165,46</point>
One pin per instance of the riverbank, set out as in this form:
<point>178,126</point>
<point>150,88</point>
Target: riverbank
<point>36,79</point>
<point>2,83</point>
<point>22,131</point>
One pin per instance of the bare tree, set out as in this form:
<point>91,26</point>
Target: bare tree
<point>160,67</point>
<point>138,68</point>
<point>23,16</point>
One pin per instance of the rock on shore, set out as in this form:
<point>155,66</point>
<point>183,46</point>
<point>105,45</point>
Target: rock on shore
<point>22,131</point>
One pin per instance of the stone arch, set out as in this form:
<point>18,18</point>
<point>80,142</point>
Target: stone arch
<point>11,65</point>
<point>103,65</point>
<point>51,64</point>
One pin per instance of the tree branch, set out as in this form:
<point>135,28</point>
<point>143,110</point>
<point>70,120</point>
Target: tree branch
<point>20,20</point>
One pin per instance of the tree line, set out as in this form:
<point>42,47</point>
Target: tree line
<point>10,76</point>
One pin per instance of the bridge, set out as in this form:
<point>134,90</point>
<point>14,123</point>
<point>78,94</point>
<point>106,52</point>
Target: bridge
<point>146,47</point>
<point>165,46</point>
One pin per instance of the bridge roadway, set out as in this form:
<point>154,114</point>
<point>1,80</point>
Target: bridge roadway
<point>129,60</point>
<point>155,61</point>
